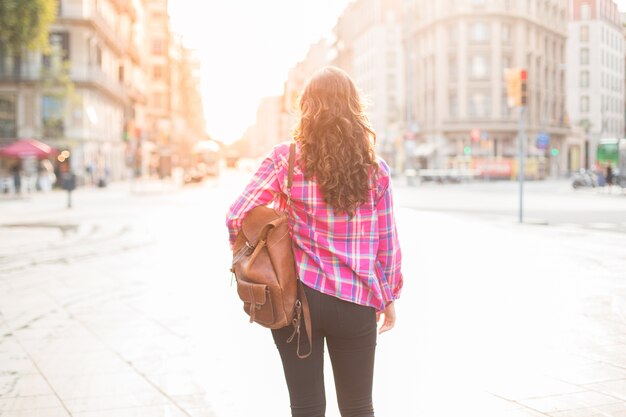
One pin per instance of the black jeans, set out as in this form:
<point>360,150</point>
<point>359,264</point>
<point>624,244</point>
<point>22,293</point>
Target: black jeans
<point>350,333</point>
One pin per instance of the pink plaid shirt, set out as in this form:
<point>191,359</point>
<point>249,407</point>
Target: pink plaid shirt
<point>357,259</point>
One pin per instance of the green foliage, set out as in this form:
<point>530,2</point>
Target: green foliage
<point>26,23</point>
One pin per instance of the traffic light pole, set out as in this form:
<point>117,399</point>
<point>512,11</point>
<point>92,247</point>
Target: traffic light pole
<point>522,161</point>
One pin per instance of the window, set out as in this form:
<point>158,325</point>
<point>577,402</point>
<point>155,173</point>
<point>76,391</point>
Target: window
<point>160,100</point>
<point>157,72</point>
<point>584,56</point>
<point>585,12</point>
<point>584,104</point>
<point>453,34</point>
<point>479,104</point>
<point>454,106</point>
<point>479,32</point>
<point>584,33</point>
<point>98,56</point>
<point>478,66</point>
<point>505,109</point>
<point>452,69</point>
<point>8,117</point>
<point>506,33</point>
<point>158,47</point>
<point>59,49</point>
<point>506,63</point>
<point>52,116</point>
<point>584,79</point>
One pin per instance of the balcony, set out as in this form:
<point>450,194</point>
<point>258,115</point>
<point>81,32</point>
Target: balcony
<point>96,78</point>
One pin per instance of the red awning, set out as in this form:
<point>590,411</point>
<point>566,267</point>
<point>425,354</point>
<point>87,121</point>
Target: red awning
<point>25,148</point>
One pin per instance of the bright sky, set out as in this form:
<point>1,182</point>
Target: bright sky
<point>247,48</point>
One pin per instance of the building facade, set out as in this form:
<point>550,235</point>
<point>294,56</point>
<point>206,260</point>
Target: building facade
<point>74,98</point>
<point>115,89</point>
<point>318,56</point>
<point>187,116</point>
<point>460,49</point>
<point>595,72</point>
<point>369,46</point>
<point>268,129</point>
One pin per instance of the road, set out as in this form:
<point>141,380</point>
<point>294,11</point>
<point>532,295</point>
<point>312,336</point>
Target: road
<point>123,306</point>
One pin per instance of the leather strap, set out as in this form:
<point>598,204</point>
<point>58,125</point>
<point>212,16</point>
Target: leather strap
<point>302,304</point>
<point>292,160</point>
<point>307,321</point>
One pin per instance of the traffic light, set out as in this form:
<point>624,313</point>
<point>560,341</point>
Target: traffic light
<point>555,152</point>
<point>523,75</point>
<point>516,80</point>
<point>467,150</point>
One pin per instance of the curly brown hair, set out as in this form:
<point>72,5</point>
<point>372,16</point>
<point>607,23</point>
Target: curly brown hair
<point>336,139</point>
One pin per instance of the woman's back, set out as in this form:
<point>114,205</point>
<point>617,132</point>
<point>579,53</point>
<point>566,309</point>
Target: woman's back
<point>337,253</point>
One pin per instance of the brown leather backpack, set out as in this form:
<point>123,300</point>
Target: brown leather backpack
<point>265,269</point>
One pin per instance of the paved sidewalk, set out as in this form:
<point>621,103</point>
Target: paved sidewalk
<point>128,311</point>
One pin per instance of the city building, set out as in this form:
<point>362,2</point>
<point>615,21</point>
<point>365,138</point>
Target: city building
<point>74,98</point>
<point>159,48</point>
<point>187,116</point>
<point>459,50</point>
<point>595,73</point>
<point>318,56</point>
<point>369,46</point>
<point>117,90</point>
<point>268,129</point>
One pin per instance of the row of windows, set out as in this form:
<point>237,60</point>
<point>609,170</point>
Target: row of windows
<point>609,104</point>
<point>607,81</point>
<point>615,63</point>
<point>52,116</point>
<point>479,32</point>
<point>612,83</point>
<point>479,68</point>
<point>479,105</point>
<point>53,111</point>
<point>609,60</point>
<point>613,40</point>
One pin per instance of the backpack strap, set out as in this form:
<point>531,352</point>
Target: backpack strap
<point>292,161</point>
<point>302,304</point>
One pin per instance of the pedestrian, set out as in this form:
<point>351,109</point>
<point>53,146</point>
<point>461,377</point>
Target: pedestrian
<point>610,177</point>
<point>346,245</point>
<point>17,178</point>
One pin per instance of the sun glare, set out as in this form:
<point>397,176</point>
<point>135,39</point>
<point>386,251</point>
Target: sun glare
<point>247,48</point>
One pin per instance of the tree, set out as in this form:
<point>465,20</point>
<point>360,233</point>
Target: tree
<point>24,24</point>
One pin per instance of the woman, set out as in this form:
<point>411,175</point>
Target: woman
<point>345,242</point>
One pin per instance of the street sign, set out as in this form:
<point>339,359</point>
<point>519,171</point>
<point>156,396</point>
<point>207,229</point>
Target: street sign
<point>543,140</point>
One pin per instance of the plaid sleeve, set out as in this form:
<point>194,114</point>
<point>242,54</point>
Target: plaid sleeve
<point>261,190</point>
<point>389,254</point>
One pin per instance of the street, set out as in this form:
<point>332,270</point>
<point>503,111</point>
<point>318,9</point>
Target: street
<point>124,306</point>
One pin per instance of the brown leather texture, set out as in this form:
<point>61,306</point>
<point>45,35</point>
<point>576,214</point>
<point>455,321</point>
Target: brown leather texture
<point>265,269</point>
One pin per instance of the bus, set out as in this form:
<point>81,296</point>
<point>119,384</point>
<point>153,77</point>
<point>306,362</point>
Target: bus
<point>621,163</point>
<point>607,152</point>
<point>613,151</point>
